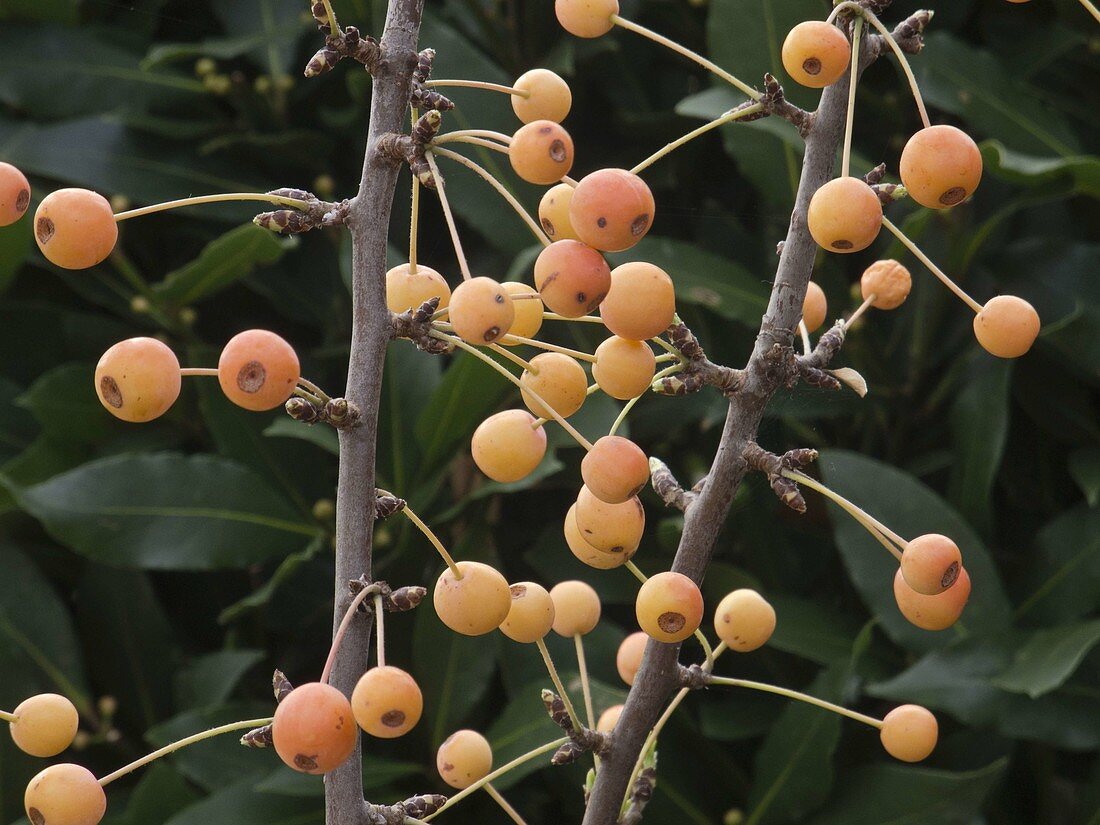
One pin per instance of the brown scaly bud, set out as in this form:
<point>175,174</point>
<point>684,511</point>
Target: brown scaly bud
<point>363,49</point>
<point>798,458</point>
<point>426,310</point>
<point>890,192</point>
<point>301,410</point>
<point>644,785</point>
<point>386,504</point>
<point>913,26</point>
<point>323,60</point>
<point>258,738</point>
<point>280,685</point>
<point>875,175</point>
<point>819,379</point>
<point>567,754</point>
<point>296,194</point>
<point>667,487</point>
<point>423,98</point>
<point>685,342</point>
<point>423,69</point>
<point>683,384</point>
<point>424,174</point>
<point>556,708</point>
<point>426,128</point>
<point>320,15</point>
<point>403,598</point>
<point>423,805</point>
<point>284,221</point>
<point>341,413</point>
<point>788,493</point>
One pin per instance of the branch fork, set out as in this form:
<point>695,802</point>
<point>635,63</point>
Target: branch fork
<point>340,44</point>
<point>776,103</point>
<point>416,326</point>
<point>698,370</point>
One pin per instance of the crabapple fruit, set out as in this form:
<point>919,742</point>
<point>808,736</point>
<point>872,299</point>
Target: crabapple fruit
<point>629,658</point>
<point>528,310</point>
<point>258,370</point>
<point>15,194</point>
<point>615,469</point>
<point>814,307</point>
<point>586,18</point>
<point>816,54</point>
<point>314,728</point>
<point>888,281</point>
<point>1007,326</point>
<point>931,564</point>
<point>585,552</point>
<point>44,724</point>
<point>641,303</point>
<point>558,380</point>
<point>475,604</point>
<point>75,228</point>
<point>610,528</point>
<point>507,446</point>
<point>576,608</point>
<point>554,213</point>
<point>387,702</point>
<point>572,278</point>
<point>65,794</point>
<point>909,733</point>
<point>408,290</point>
<point>669,607</point>
<point>609,718</point>
<point>845,215</point>
<point>138,379</point>
<point>464,758</point>
<point>547,96</point>
<point>623,368</point>
<point>481,311</point>
<point>531,615</point>
<point>937,612</point>
<point>940,166</point>
<point>611,209</point>
<point>541,152</point>
<point>744,620</point>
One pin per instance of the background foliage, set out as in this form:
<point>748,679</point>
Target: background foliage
<point>173,565</point>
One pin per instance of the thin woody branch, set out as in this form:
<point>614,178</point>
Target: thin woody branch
<point>772,466</point>
<point>318,213</point>
<point>415,807</point>
<point>581,740</point>
<point>668,488</point>
<point>776,103</point>
<point>698,371</point>
<point>811,367</point>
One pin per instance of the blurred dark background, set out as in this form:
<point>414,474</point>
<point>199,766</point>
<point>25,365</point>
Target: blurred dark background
<point>156,574</point>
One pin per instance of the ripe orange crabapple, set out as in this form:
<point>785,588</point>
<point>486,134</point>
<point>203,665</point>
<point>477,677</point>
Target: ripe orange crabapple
<point>547,96</point>
<point>475,604</point>
<point>576,608</point>
<point>314,728</point>
<point>940,166</point>
<point>669,607</point>
<point>572,278</point>
<point>528,309</point>
<point>387,702</point>
<point>464,758</point>
<point>814,307</point>
<point>481,311</point>
<point>75,228</point>
<point>931,563</point>
<point>65,794</point>
<point>44,724</point>
<point>554,213</point>
<point>816,54</point>
<point>909,733</point>
<point>628,659</point>
<point>15,194</point>
<point>507,446</point>
<point>888,281</point>
<point>258,370</point>
<point>558,380</point>
<point>937,612</point>
<point>615,469</point>
<point>623,368</point>
<point>531,615</point>
<point>138,379</point>
<point>611,209</point>
<point>641,303</point>
<point>609,718</point>
<point>744,620</point>
<point>408,290</point>
<point>541,152</point>
<point>585,552</point>
<point>586,18</point>
<point>610,528</point>
<point>1007,326</point>
<point>845,215</point>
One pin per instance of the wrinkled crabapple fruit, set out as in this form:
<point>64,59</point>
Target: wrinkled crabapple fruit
<point>628,660</point>
<point>464,758</point>
<point>611,209</point>
<point>258,370</point>
<point>611,528</point>
<point>572,278</point>
<point>554,213</point>
<point>888,281</point>
<point>408,290</point>
<point>387,702</point>
<point>548,96</point>
<point>585,552</point>
<point>558,380</point>
<point>576,608</point>
<point>586,18</point>
<point>507,446</point>
<point>314,729</point>
<point>609,718</point>
<point>65,794</point>
<point>937,612</point>
<point>528,310</point>
<point>816,54</point>
<point>744,620</point>
<point>138,379</point>
<point>814,307</point>
<point>541,152</point>
<point>1007,326</point>
<point>75,228</point>
<point>669,607</point>
<point>481,311</point>
<point>940,166</point>
<point>641,303</point>
<point>623,368</point>
<point>909,733</point>
<point>44,724</point>
<point>931,563</point>
<point>475,604</point>
<point>845,215</point>
<point>615,469</point>
<point>15,194</point>
<point>531,615</point>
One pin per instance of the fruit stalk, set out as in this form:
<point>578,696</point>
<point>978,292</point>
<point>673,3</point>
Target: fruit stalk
<point>368,222</point>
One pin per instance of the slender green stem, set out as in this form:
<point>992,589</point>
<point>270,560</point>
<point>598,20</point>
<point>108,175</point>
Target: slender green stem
<point>532,342</point>
<point>293,203</point>
<point>629,405</point>
<point>313,388</point>
<point>527,366</point>
<point>538,422</point>
<point>904,61</point>
<point>472,140</point>
<point>182,743</point>
<point>582,666</point>
<point>434,539</point>
<point>665,345</point>
<point>635,572</point>
<point>794,694</point>
<point>458,342</point>
<point>536,230</point>
<point>935,270</point>
<point>380,630</point>
<point>708,653</point>
<point>414,222</point>
<point>513,814</point>
<point>499,772</point>
<point>855,8</point>
<point>342,630</point>
<point>465,267</point>
<point>728,117</point>
<point>861,309</point>
<point>804,331</point>
<point>586,319</point>
<point>333,26</point>
<point>666,357</point>
<point>8,717</point>
<point>199,371</point>
<point>1095,12</point>
<point>846,158</point>
<point>688,53</point>
<point>479,84</point>
<point>308,396</point>
<point>556,679</point>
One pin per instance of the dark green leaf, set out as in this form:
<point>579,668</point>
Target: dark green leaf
<point>1049,658</point>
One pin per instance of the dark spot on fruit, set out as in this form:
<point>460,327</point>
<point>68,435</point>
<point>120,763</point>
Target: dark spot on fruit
<point>447,767</point>
<point>671,622</point>
<point>842,244</point>
<point>952,196</point>
<point>44,229</point>
<point>36,816</point>
<point>499,298</point>
<point>108,388</point>
<point>618,548</point>
<point>548,227</point>
<point>581,298</point>
<point>518,591</point>
<point>639,225</point>
<point>305,763</point>
<point>811,65</point>
<point>601,222</point>
<point>950,574</point>
<point>22,200</point>
<point>596,301</point>
<point>491,334</point>
<point>251,377</point>
<point>393,718</point>
<point>545,130</point>
<point>558,154</point>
